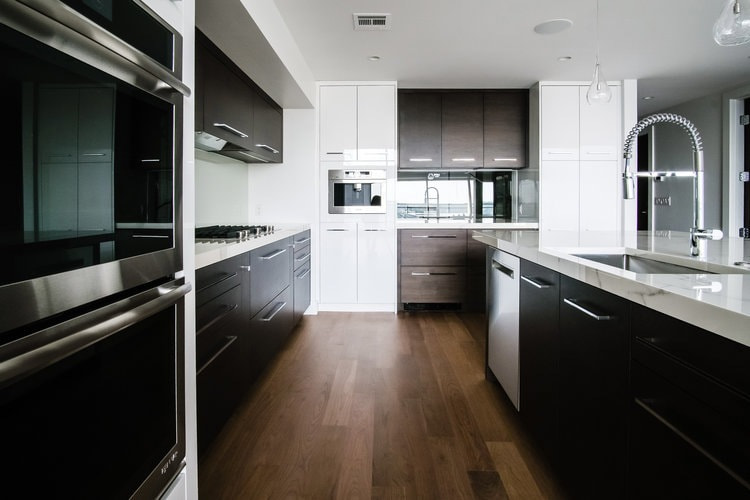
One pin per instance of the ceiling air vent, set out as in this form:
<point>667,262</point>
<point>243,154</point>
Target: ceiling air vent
<point>372,22</point>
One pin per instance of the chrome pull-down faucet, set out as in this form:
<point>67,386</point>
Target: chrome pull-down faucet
<point>697,233</point>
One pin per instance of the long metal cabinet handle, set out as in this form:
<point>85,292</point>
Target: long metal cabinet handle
<point>503,269</point>
<point>229,341</point>
<point>535,283</point>
<point>245,153</point>
<point>227,310</point>
<point>154,236</point>
<point>647,407</point>
<point>303,240</point>
<point>336,230</point>
<point>31,354</point>
<point>273,254</point>
<point>98,47</point>
<point>301,276</point>
<point>435,236</point>
<point>268,148</point>
<point>92,154</point>
<point>224,277</point>
<point>572,303</point>
<point>303,257</point>
<point>275,311</point>
<point>432,274</point>
<point>231,129</point>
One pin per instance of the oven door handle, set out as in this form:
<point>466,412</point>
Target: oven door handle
<point>28,355</point>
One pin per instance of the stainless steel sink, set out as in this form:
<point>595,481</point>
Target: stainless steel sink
<point>640,265</point>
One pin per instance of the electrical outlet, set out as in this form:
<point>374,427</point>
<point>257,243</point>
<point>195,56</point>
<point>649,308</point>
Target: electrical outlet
<point>663,201</point>
<point>258,210</point>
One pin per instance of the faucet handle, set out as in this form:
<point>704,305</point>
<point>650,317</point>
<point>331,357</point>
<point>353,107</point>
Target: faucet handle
<point>707,234</point>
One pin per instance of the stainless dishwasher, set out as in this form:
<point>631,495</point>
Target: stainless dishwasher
<point>502,318</point>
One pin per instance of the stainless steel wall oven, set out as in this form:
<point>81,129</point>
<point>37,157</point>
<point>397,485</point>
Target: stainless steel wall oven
<point>91,303</point>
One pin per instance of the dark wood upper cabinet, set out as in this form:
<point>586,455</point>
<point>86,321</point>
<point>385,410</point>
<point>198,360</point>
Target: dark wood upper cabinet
<point>419,125</point>
<point>462,136</point>
<point>506,125</point>
<point>463,129</point>
<point>229,106</point>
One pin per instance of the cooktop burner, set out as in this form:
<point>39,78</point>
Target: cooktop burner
<point>231,232</point>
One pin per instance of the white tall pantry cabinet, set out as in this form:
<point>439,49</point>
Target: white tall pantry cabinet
<point>580,149</point>
<point>357,131</point>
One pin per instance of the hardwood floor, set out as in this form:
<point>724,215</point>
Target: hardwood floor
<point>376,405</point>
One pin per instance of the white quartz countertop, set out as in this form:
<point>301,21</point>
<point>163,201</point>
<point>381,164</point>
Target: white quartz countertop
<point>211,252</point>
<point>461,224</point>
<point>719,303</point>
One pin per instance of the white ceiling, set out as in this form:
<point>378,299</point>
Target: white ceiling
<point>666,44</point>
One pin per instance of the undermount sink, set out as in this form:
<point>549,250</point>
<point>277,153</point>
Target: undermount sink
<point>640,265</point>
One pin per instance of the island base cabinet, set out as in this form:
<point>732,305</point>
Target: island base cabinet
<point>593,390</point>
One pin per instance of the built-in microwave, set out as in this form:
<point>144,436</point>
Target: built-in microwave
<point>357,191</point>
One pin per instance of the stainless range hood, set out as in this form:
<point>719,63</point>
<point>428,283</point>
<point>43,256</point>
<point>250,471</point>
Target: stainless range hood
<point>208,142</point>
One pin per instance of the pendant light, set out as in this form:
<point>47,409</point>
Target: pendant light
<point>599,92</point>
<point>733,25</point>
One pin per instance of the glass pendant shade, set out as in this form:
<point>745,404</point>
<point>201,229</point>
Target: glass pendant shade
<point>598,92</point>
<point>733,25</point>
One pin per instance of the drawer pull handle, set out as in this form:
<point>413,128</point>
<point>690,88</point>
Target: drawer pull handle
<point>334,152</point>
<point>273,254</point>
<point>599,317</point>
<point>303,240</point>
<point>375,230</point>
<point>337,230</point>
<point>230,341</point>
<point>227,309</point>
<point>254,157</point>
<point>223,277</point>
<point>267,148</point>
<point>435,236</point>
<point>231,129</point>
<point>245,268</point>
<point>303,257</point>
<point>154,236</point>
<point>420,160</point>
<point>275,311</point>
<point>432,274</point>
<point>535,283</point>
<point>503,269</point>
<point>303,275</point>
<point>92,154</point>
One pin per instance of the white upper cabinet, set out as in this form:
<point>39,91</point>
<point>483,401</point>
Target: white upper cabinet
<point>338,123</point>
<point>376,122</point>
<point>559,122</point>
<point>357,122</point>
<point>600,130</point>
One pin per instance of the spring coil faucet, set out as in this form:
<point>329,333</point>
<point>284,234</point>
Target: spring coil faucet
<point>697,233</point>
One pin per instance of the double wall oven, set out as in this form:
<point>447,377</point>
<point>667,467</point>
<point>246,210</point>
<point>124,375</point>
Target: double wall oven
<point>91,287</point>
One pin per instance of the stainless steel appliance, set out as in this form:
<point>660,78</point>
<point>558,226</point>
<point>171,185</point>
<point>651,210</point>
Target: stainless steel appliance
<point>91,373</point>
<point>502,317</point>
<point>356,191</point>
<point>232,232</point>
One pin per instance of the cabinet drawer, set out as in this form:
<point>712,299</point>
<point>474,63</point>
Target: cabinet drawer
<point>302,280</point>
<point>720,358</point>
<point>268,330</point>
<point>301,255</point>
<point>301,239</point>
<point>445,284</point>
<point>217,310</point>
<point>271,265</point>
<point>440,247</point>
<point>211,281</point>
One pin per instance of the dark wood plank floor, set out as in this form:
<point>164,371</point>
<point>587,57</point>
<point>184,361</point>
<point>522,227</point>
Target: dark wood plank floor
<point>376,405</point>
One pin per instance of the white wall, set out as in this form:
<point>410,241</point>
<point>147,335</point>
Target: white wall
<point>221,193</point>
<point>672,151</point>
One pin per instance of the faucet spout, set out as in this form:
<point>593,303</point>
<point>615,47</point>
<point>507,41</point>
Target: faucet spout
<point>698,233</point>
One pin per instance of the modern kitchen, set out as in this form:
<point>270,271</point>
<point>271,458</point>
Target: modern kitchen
<point>277,248</point>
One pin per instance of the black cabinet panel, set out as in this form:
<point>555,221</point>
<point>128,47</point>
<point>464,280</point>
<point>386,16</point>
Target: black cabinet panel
<point>302,281</point>
<point>462,125</point>
<point>267,130</point>
<point>593,390</point>
<point>539,348</point>
<point>271,273</point>
<point>269,329</point>
<point>506,125</point>
<point>419,125</point>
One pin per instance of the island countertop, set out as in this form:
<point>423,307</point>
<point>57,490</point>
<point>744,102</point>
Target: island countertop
<point>719,303</point>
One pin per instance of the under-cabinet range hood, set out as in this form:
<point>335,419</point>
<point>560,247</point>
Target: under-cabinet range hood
<point>213,144</point>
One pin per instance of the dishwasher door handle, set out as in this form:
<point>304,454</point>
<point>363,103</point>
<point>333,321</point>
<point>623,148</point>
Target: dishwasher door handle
<point>503,269</point>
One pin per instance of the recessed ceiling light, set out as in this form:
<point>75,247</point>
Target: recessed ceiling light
<point>647,98</point>
<point>553,26</point>
<point>374,58</point>
<point>564,58</point>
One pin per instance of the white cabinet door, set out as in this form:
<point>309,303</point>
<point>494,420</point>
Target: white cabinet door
<point>95,124</point>
<point>559,122</point>
<point>600,136</point>
<point>58,125</point>
<point>338,122</point>
<point>599,181</point>
<point>559,196</point>
<point>58,196</point>
<point>376,264</point>
<point>376,122</point>
<point>95,197</point>
<point>338,263</point>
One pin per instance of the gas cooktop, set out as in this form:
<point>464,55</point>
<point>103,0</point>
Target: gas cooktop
<point>231,233</point>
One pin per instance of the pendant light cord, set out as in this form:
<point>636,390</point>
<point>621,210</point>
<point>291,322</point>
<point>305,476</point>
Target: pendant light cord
<point>597,31</point>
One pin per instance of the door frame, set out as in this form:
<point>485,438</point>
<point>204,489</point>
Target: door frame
<point>733,140</point>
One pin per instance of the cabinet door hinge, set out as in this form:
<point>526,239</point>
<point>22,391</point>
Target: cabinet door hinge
<point>744,119</point>
<point>745,176</point>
